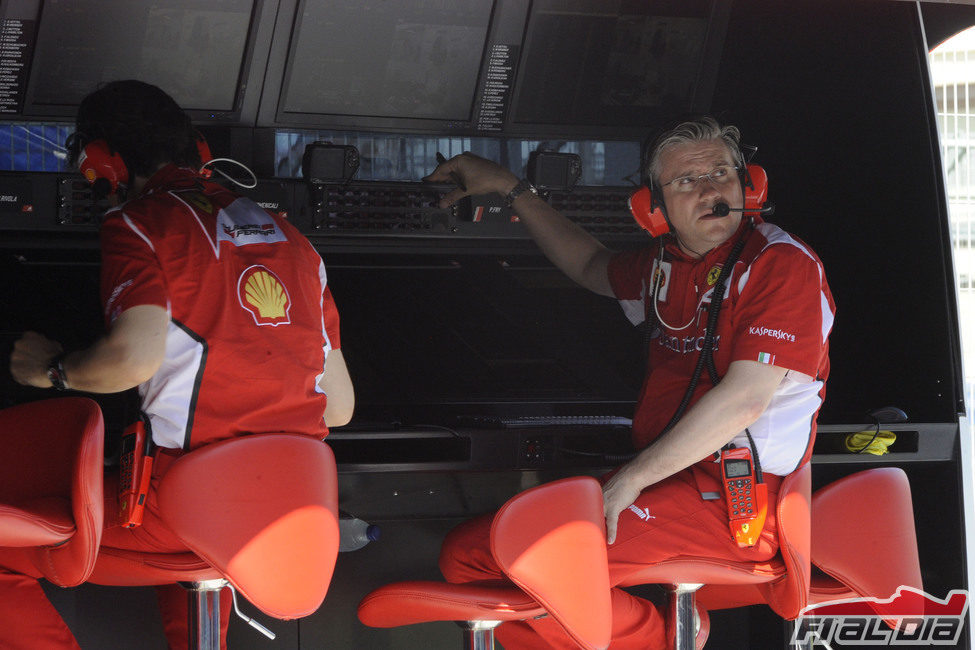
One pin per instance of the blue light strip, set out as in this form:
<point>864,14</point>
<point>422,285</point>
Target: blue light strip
<point>394,157</point>
<point>39,147</point>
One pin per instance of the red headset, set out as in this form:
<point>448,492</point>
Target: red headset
<point>653,219</point>
<point>96,161</point>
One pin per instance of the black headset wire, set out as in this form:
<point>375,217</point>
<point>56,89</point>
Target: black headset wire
<point>707,347</point>
<point>876,433</point>
<point>713,375</point>
<point>706,359</point>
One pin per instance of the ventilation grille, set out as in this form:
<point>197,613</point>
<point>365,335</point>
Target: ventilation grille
<point>599,211</point>
<point>400,209</point>
<point>381,209</point>
<point>411,209</point>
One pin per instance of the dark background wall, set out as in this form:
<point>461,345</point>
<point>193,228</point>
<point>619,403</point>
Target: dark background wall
<point>836,95</point>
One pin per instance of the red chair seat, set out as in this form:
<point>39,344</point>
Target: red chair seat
<point>122,568</point>
<point>260,511</point>
<point>551,542</point>
<point>823,588</point>
<point>702,570</point>
<point>39,522</point>
<point>421,601</point>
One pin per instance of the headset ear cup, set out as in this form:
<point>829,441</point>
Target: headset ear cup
<point>98,163</point>
<point>756,188</point>
<point>205,156</point>
<point>650,217</point>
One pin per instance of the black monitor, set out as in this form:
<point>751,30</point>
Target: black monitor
<point>199,53</point>
<point>543,68</point>
<point>409,65</point>
<point>615,67</point>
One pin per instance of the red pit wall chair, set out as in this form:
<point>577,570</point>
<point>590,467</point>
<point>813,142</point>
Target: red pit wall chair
<point>782,582</point>
<point>853,519</point>
<point>51,505</point>
<point>551,543</point>
<point>259,512</point>
<point>864,542</point>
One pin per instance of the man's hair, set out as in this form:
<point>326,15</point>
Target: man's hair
<point>703,129</point>
<point>138,121</point>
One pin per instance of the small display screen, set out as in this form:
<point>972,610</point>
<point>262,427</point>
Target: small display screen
<point>736,468</point>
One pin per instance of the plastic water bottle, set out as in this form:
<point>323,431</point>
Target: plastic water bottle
<point>355,533</point>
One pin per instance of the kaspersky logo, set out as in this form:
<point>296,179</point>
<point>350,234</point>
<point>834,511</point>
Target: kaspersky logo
<point>908,618</point>
<point>263,294</point>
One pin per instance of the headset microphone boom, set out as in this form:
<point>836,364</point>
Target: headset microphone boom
<point>722,209</point>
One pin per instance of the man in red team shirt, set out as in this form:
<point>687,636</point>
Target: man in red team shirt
<point>770,353</point>
<point>217,311</point>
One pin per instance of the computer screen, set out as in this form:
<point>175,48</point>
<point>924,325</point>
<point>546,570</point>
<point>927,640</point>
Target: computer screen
<point>362,60</point>
<point>598,64</point>
<point>194,51</point>
<point>545,68</point>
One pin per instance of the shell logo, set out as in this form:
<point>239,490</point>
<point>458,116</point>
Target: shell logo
<point>263,294</point>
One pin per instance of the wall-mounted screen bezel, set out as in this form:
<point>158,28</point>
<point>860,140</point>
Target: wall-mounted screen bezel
<point>51,22</point>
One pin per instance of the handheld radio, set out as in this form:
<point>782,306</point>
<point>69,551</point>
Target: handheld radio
<point>747,499</point>
<point>138,453</point>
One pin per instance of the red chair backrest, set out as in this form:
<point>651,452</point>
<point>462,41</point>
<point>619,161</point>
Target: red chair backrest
<point>790,595</point>
<point>864,535</point>
<point>551,541</point>
<point>53,451</point>
<point>263,510</point>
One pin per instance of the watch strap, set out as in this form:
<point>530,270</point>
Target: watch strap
<point>519,189</point>
<point>55,372</point>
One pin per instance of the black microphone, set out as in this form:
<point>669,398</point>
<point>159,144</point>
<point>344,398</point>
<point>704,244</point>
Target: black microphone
<point>722,209</point>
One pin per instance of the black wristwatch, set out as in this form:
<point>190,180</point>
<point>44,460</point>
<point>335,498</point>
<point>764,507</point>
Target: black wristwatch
<point>55,372</point>
<point>519,189</point>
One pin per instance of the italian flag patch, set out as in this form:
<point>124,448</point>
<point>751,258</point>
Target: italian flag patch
<point>765,357</point>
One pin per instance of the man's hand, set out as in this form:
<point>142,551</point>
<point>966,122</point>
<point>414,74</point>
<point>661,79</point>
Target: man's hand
<point>573,250</point>
<point>30,357</point>
<point>619,493</point>
<point>473,175</point>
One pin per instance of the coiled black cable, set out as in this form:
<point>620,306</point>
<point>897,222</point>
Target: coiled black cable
<point>707,347</point>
